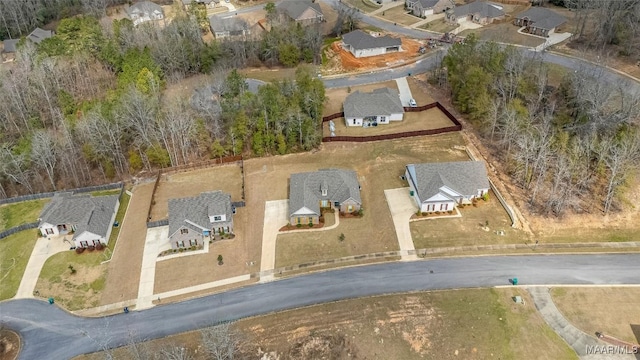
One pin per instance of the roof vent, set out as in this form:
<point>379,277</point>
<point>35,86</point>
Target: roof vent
<point>324,188</point>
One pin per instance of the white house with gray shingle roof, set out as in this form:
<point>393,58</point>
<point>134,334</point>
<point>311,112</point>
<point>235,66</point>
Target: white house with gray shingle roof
<point>479,12</point>
<point>442,186</point>
<point>539,21</point>
<point>424,8</point>
<point>326,188</point>
<point>144,11</point>
<point>379,106</point>
<point>362,44</point>
<point>89,218</point>
<point>193,220</point>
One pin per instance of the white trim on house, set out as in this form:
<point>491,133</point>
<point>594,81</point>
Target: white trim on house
<point>304,211</point>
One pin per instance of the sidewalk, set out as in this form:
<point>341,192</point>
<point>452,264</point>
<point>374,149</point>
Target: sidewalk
<point>275,217</point>
<point>43,249</point>
<point>402,207</point>
<point>324,228</point>
<point>155,237</point>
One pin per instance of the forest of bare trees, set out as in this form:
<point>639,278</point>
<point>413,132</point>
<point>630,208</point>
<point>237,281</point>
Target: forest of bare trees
<point>566,145</point>
<point>87,106</point>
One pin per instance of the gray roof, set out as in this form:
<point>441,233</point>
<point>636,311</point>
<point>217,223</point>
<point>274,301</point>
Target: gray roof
<point>295,8</point>
<point>543,18</point>
<point>464,177</point>
<point>305,188</point>
<point>230,24</point>
<point>359,40</point>
<point>383,101</point>
<point>485,9</point>
<point>144,7</point>
<point>10,45</point>
<point>38,35</point>
<point>426,4</point>
<point>197,210</point>
<point>206,2</point>
<point>86,212</point>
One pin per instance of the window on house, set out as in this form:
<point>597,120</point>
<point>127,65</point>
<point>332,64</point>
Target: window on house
<point>180,244</point>
<point>184,231</point>
<point>49,231</point>
<point>350,208</point>
<point>193,242</point>
<point>84,244</point>
<point>383,118</point>
<point>446,207</point>
<point>354,121</point>
<point>217,218</point>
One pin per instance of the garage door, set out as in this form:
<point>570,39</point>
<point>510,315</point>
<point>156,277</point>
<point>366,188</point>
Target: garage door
<point>428,12</point>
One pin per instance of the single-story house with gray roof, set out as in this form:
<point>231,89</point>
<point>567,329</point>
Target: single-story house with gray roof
<point>379,106</point>
<point>424,8</point>
<point>207,3</point>
<point>193,220</point>
<point>144,11</point>
<point>90,218</point>
<point>9,48</point>
<point>228,27</point>
<point>362,44</point>
<point>37,35</point>
<point>479,12</point>
<point>326,188</point>
<point>539,21</point>
<point>443,186</point>
<point>303,11</point>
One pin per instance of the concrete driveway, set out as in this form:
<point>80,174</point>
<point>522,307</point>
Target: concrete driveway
<point>275,217</point>
<point>43,249</point>
<point>402,207</point>
<point>155,239</point>
<point>404,90</point>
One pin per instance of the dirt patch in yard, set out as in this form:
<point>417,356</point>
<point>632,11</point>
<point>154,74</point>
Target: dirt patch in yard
<point>227,178</point>
<point>198,269</point>
<point>378,166</point>
<point>613,311</point>
<point>348,62</point>
<point>9,344</point>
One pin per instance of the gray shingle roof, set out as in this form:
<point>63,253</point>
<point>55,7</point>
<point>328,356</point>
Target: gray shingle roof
<point>359,40</point>
<point>543,18</point>
<point>197,210</point>
<point>485,9</point>
<point>295,8</point>
<point>144,7</point>
<point>230,24</point>
<point>86,212</point>
<point>426,4</point>
<point>464,177</point>
<point>38,35</point>
<point>10,45</point>
<point>383,101</point>
<point>305,188</point>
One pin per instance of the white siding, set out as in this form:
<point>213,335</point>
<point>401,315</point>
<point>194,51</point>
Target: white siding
<point>88,237</point>
<point>437,206</point>
<point>412,188</point>
<point>45,226</point>
<point>396,117</point>
<point>427,12</point>
<point>353,121</point>
<point>369,52</point>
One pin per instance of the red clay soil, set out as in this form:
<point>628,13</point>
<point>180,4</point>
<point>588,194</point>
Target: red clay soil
<point>350,62</point>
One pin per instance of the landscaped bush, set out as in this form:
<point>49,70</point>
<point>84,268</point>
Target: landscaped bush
<point>299,225</point>
<point>310,224</point>
<point>450,212</point>
<point>437,212</point>
<point>79,250</point>
<point>99,246</point>
<point>419,213</point>
<point>91,248</point>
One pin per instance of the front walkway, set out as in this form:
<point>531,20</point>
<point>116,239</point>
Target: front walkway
<point>577,339</point>
<point>324,228</point>
<point>404,90</point>
<point>275,217</point>
<point>155,239</point>
<point>466,25</point>
<point>402,207</point>
<point>43,249</point>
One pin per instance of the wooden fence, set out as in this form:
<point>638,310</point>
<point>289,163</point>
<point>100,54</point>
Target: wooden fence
<point>51,194</point>
<point>457,127</point>
<point>333,116</point>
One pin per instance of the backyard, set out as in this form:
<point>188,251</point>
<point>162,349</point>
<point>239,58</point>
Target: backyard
<point>378,166</point>
<point>15,251</point>
<point>422,325</point>
<point>505,33</point>
<point>611,310</point>
<point>12,215</point>
<point>479,225</point>
<point>365,6</point>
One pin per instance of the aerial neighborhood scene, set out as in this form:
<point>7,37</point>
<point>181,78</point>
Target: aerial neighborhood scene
<point>319,179</point>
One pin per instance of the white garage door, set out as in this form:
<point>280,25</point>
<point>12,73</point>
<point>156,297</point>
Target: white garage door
<point>428,12</point>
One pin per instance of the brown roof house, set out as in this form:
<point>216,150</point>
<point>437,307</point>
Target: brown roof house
<point>442,186</point>
<point>326,188</point>
<point>89,218</point>
<point>479,12</point>
<point>362,44</point>
<point>370,109</point>
<point>424,8</point>
<point>304,11</point>
<point>539,21</point>
<point>193,220</point>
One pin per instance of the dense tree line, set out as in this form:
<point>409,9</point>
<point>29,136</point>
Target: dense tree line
<point>87,105</point>
<point>563,145</point>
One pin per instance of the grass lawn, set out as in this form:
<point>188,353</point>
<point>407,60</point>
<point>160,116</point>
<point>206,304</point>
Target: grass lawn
<point>612,311</point>
<point>399,15</point>
<point>576,234</point>
<point>12,215</point>
<point>459,324</point>
<point>124,204</point>
<point>378,166</point>
<point>105,192</point>
<point>15,251</point>
<point>467,230</point>
<point>74,291</point>
<point>269,74</point>
<point>439,25</point>
<point>505,33</point>
<point>364,5</point>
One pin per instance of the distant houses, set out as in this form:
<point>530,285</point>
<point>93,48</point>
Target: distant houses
<point>370,109</point>
<point>229,27</point>
<point>539,21</point>
<point>362,44</point>
<point>144,11</point>
<point>9,48</point>
<point>38,35</point>
<point>302,11</point>
<point>479,12</point>
<point>424,8</point>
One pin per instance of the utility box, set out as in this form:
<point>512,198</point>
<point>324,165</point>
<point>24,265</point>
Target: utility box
<point>411,192</point>
<point>51,301</point>
<point>514,281</point>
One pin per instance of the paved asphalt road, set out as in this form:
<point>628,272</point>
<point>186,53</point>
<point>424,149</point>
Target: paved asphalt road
<point>50,333</point>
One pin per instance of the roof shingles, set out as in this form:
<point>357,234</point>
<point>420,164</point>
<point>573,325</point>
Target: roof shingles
<point>463,177</point>
<point>197,210</point>
<point>379,102</point>
<point>305,189</point>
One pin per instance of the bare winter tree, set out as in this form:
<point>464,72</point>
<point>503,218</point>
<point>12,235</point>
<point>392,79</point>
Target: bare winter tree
<point>43,153</point>
<point>621,156</point>
<point>347,18</point>
<point>174,353</point>
<point>220,342</point>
